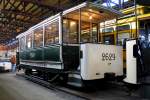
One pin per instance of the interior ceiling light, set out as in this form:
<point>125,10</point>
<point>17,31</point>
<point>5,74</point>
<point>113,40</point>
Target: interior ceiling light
<point>90,10</point>
<point>90,17</point>
<point>65,21</point>
<point>72,23</point>
<point>50,28</point>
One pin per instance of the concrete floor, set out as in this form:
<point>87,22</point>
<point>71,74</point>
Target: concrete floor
<point>14,88</point>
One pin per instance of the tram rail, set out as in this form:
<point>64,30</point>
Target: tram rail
<point>51,86</point>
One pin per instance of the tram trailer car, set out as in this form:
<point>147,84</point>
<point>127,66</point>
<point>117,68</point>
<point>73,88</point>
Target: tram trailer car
<point>138,63</point>
<point>66,47</point>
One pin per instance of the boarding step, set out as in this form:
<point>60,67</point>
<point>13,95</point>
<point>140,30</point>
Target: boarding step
<point>73,72</point>
<point>75,79</point>
<point>75,84</point>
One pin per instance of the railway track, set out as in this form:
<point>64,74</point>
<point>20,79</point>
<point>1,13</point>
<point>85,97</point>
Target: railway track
<point>118,90</point>
<point>48,85</point>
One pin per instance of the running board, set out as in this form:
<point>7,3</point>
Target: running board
<point>75,84</point>
<point>74,79</point>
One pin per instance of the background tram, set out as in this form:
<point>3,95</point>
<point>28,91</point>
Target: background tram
<point>67,46</point>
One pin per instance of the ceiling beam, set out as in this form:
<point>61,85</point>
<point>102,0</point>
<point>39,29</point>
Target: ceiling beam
<point>43,3</point>
<point>17,12</point>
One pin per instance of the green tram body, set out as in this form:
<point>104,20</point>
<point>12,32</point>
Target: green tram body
<point>41,58</point>
<point>62,53</point>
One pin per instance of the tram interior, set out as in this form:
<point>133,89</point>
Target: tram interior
<point>90,25</point>
<point>88,18</point>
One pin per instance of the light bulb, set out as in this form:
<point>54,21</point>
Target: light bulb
<point>90,17</point>
<point>72,23</point>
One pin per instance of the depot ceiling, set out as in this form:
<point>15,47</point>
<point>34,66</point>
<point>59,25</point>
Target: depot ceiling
<point>17,16</point>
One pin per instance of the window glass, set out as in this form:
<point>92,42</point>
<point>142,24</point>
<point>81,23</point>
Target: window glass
<point>108,39</point>
<point>70,31</point>
<point>38,37</point>
<point>89,32</point>
<point>29,41</point>
<point>89,25</point>
<point>122,28</point>
<point>70,27</point>
<point>22,43</point>
<point>85,32</point>
<point>52,33</point>
<point>94,32</point>
<point>122,37</point>
<point>107,30</point>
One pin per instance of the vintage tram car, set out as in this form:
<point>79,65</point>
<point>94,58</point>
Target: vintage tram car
<point>67,46</point>
<point>137,55</point>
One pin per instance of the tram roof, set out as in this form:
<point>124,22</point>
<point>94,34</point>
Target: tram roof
<point>94,6</point>
<point>111,14</point>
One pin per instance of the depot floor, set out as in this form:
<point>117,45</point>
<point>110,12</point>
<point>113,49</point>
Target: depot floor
<point>14,87</point>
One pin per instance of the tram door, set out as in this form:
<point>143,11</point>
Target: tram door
<point>70,49</point>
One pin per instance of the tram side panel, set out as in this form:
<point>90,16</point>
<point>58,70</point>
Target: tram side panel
<point>41,58</point>
<point>99,59</point>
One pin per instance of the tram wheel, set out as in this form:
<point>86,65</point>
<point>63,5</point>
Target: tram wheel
<point>28,71</point>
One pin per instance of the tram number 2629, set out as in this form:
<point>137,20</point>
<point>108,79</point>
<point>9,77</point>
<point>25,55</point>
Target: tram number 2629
<point>108,56</point>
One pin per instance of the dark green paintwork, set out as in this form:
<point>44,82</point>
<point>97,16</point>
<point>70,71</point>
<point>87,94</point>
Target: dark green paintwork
<point>70,55</point>
<point>36,54</point>
<point>22,55</point>
<point>51,53</point>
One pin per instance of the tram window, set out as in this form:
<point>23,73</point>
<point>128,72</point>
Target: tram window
<point>85,32</point>
<point>122,28</point>
<point>94,32</point>
<point>52,33</point>
<point>89,25</point>
<point>29,41</point>
<point>70,31</point>
<point>88,32</point>
<point>38,37</point>
<point>122,37</point>
<point>22,43</point>
<point>108,30</point>
<point>109,39</point>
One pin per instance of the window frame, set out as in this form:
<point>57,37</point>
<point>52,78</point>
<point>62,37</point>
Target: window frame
<point>33,32</point>
<point>20,43</point>
<point>77,26</point>
<point>32,39</point>
<point>48,23</point>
